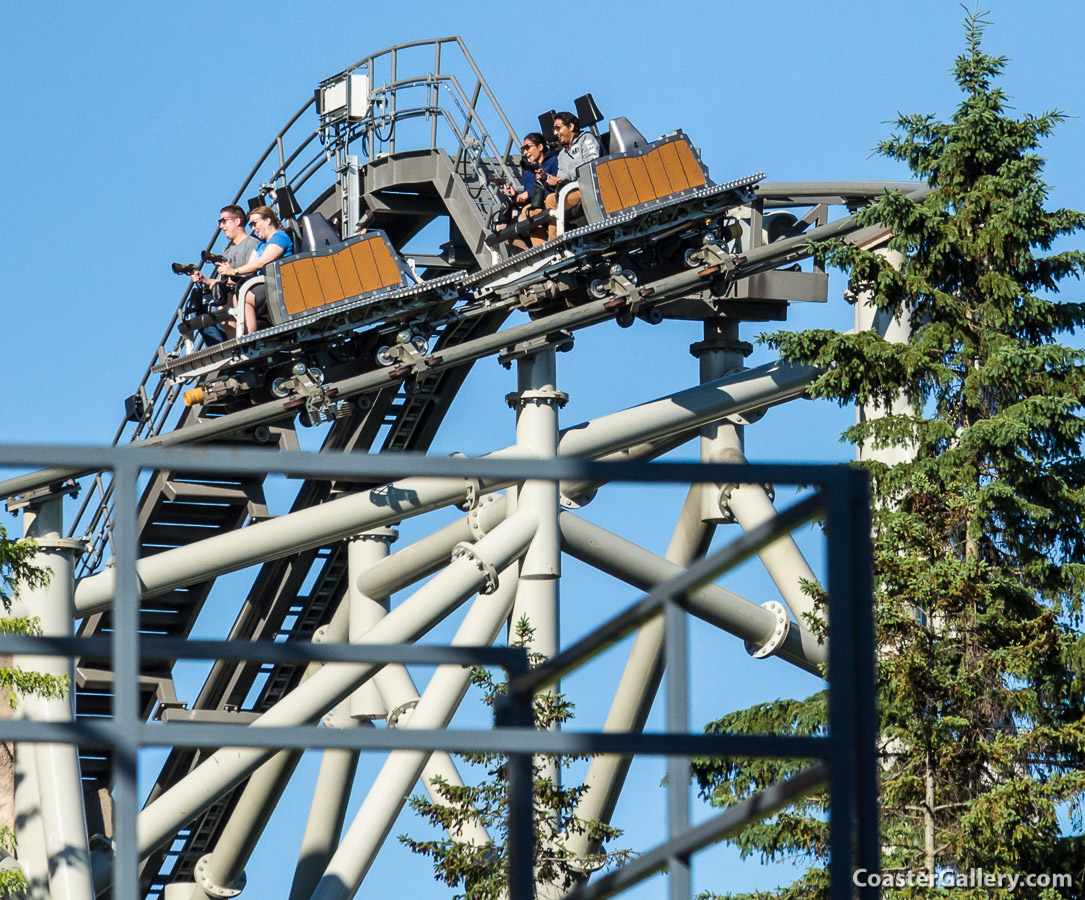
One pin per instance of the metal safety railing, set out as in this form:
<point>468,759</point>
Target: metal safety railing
<point>844,758</point>
<point>397,97</point>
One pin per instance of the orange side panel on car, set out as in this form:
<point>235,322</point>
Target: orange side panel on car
<point>694,175</point>
<point>317,281</point>
<point>292,292</point>
<point>608,193</point>
<point>308,284</point>
<point>386,266</point>
<point>662,171</point>
<point>673,165</point>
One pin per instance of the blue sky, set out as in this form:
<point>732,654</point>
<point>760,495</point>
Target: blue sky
<point>125,126</point>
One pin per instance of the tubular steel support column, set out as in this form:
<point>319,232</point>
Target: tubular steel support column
<point>536,404</point>
<point>401,770</point>
<point>365,550</point>
<point>29,834</point>
<point>60,788</point>
<point>719,354</point>
<point>750,505</point>
<point>327,813</point>
<point>639,683</point>
<point>222,872</point>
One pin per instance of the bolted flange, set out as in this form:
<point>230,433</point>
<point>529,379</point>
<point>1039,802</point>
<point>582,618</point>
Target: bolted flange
<point>376,534</point>
<point>537,397</point>
<point>68,545</point>
<point>474,517</point>
<point>394,715</point>
<point>465,549</point>
<point>720,343</point>
<point>473,488</point>
<point>577,502</point>
<point>779,633</point>
<point>202,874</point>
<point>725,498</point>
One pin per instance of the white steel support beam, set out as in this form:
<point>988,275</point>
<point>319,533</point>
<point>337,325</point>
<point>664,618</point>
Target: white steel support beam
<point>327,813</point>
<point>29,833</point>
<point>643,569</point>
<point>364,551</point>
<point>56,766</point>
<point>401,770</point>
<point>782,559</point>
<point>221,872</point>
<point>317,526</point>
<point>536,403</point>
<point>639,683</point>
<point>719,354</point>
<point>161,819</point>
<point>743,392</point>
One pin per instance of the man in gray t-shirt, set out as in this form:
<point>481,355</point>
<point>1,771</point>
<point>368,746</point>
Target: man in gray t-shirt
<point>240,243</point>
<point>239,247</point>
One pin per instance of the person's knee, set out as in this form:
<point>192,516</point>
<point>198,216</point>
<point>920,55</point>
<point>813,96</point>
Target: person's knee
<point>551,201</point>
<point>571,199</point>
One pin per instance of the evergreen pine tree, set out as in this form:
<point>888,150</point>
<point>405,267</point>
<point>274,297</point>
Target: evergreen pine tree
<point>481,871</point>
<point>979,543</point>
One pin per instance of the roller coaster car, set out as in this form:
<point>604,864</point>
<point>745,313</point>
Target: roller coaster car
<point>637,177</point>
<point>640,178</point>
